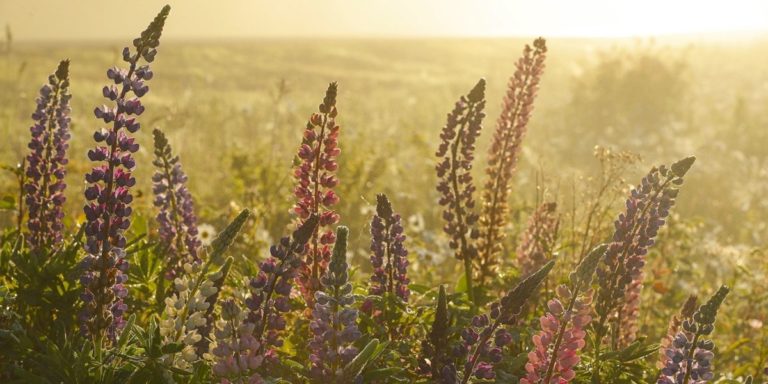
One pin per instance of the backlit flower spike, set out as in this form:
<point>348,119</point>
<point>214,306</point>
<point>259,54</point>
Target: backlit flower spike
<point>109,184</point>
<point>456,154</point>
<point>176,216</point>
<point>690,354</point>
<point>675,324</point>
<point>271,288</point>
<point>620,274</point>
<point>388,252</point>
<point>504,152</point>
<point>483,341</point>
<point>44,189</point>
<point>334,319</point>
<point>563,327</point>
<point>315,175</point>
<point>245,338</point>
<point>185,311</point>
<point>537,243</point>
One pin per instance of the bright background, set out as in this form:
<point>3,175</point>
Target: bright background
<point>98,19</point>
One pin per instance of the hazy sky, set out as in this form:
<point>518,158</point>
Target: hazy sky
<point>110,19</point>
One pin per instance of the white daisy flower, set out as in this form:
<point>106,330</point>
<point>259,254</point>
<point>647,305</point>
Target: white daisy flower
<point>206,233</point>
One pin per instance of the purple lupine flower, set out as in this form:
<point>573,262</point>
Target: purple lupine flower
<point>178,223</point>
<point>690,355</point>
<point>388,254</point>
<point>237,353</point>
<point>109,196</point>
<point>333,324</point>
<point>675,324</point>
<point>44,189</point>
<point>620,274</point>
<point>484,339</point>
<point>315,175</point>
<point>271,288</point>
<point>456,153</point>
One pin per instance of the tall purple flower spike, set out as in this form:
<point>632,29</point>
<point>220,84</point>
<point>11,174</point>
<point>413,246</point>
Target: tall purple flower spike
<point>44,190</point>
<point>108,194</point>
<point>178,223</point>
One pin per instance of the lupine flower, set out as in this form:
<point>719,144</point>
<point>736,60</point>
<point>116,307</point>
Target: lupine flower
<point>178,223</point>
<point>456,153</point>
<point>435,349</point>
<point>333,324</point>
<point>505,151</point>
<point>563,327</point>
<point>620,274</point>
<point>686,313</point>
<point>237,353</point>
<point>44,187</point>
<point>485,338</point>
<point>690,355</point>
<point>271,288</point>
<point>185,311</point>
<point>109,197</point>
<point>315,180</point>
<point>388,254</point>
<point>206,330</point>
<point>243,337</point>
<point>537,243</point>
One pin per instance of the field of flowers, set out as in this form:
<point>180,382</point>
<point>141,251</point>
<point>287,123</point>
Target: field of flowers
<point>383,211</point>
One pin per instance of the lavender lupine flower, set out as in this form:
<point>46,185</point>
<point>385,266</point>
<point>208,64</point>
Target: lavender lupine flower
<point>563,327</point>
<point>537,243</point>
<point>620,274</point>
<point>44,187</point>
<point>178,223</point>
<point>485,338</point>
<point>315,179</point>
<point>333,324</point>
<point>109,197</point>
<point>456,153</point>
<point>690,355</point>
<point>237,353</point>
<point>504,153</point>
<point>388,254</point>
<point>686,313</point>
<point>271,288</point>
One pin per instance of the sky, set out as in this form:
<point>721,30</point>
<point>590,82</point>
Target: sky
<point>210,19</point>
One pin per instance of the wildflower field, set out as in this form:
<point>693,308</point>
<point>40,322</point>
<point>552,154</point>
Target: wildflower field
<point>527,211</point>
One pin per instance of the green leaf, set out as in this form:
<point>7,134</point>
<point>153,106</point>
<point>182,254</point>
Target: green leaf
<point>356,366</point>
<point>171,348</point>
<point>8,203</point>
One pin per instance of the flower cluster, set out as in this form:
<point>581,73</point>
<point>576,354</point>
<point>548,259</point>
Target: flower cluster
<point>333,324</point>
<point>690,355</point>
<point>504,152</point>
<point>270,289</point>
<point>456,153</point>
<point>109,197</point>
<point>537,243</point>
<point>178,223</point>
<point>236,351</point>
<point>482,353</point>
<point>44,189</point>
<point>185,311</point>
<point>388,254</point>
<point>316,178</point>
<point>620,274</point>
<point>563,328</point>
<point>686,313</point>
